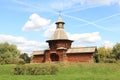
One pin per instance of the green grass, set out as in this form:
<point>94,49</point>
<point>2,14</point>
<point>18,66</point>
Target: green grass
<point>69,71</point>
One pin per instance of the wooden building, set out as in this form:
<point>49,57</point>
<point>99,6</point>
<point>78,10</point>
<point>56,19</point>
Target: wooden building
<point>60,49</point>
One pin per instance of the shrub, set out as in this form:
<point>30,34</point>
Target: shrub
<point>53,70</point>
<point>110,60</point>
<point>36,69</point>
<point>19,70</point>
<point>20,62</point>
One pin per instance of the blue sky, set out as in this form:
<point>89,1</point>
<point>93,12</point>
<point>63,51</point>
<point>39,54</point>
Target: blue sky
<point>29,23</point>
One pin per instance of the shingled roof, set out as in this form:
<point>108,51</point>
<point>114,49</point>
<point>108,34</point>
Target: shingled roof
<point>72,50</point>
<point>59,34</point>
<point>82,50</point>
<point>41,52</point>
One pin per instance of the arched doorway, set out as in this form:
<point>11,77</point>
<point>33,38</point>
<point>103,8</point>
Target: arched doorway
<point>54,57</point>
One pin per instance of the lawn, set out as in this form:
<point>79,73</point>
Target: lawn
<point>69,71</point>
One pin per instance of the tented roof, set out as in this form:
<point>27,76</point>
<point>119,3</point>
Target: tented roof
<point>59,34</point>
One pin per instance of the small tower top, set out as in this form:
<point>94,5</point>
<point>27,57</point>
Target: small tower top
<point>60,17</point>
<point>60,23</point>
<point>59,33</point>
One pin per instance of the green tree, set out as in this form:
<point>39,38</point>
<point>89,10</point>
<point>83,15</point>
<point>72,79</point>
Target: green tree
<point>116,51</point>
<point>25,57</point>
<point>103,54</point>
<point>8,53</point>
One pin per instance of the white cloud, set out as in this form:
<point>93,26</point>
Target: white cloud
<point>49,31</point>
<point>104,2</point>
<point>108,44</point>
<point>81,4</point>
<point>86,37</point>
<point>23,44</point>
<point>35,23</point>
<point>61,4</point>
<point>31,45</point>
<point>64,5</point>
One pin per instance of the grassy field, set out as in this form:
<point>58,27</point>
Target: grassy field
<point>71,71</point>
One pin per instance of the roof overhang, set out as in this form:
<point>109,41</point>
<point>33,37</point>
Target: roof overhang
<point>59,40</point>
<point>82,50</point>
<point>37,53</point>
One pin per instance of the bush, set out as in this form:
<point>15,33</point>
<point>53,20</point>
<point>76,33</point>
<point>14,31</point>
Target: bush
<point>19,70</point>
<point>53,70</point>
<point>20,62</point>
<point>110,60</point>
<point>36,69</point>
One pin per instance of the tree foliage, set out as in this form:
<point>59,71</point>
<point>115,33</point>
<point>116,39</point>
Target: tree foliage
<point>116,51</point>
<point>8,53</point>
<point>108,54</point>
<point>103,54</point>
<point>25,57</point>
